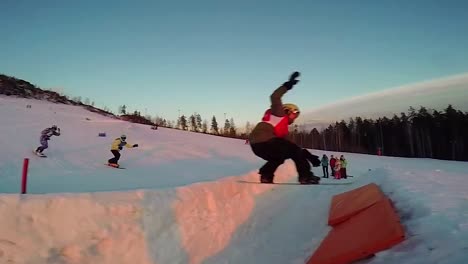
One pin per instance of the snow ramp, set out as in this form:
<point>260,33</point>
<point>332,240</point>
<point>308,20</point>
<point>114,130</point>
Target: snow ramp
<point>187,224</point>
<point>364,222</point>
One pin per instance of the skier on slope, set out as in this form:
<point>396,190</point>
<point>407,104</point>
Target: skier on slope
<point>268,139</point>
<point>117,145</point>
<point>46,134</point>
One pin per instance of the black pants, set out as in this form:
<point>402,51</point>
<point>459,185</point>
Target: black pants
<point>44,144</point>
<point>116,157</point>
<point>325,171</point>
<point>276,151</point>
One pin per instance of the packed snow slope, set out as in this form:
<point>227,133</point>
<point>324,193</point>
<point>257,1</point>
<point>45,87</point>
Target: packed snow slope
<point>179,199</point>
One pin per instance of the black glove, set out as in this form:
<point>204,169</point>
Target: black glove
<point>292,80</point>
<point>135,145</point>
<point>120,148</point>
<point>315,161</point>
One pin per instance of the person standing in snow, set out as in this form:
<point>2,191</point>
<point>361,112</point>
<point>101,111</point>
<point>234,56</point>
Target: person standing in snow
<point>268,139</point>
<point>324,163</point>
<point>332,165</point>
<point>344,163</point>
<point>116,147</point>
<point>46,134</point>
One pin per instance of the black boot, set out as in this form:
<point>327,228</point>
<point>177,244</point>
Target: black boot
<point>308,181</point>
<point>309,178</point>
<point>266,178</point>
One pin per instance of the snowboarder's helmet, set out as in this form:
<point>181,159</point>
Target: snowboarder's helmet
<point>54,127</point>
<point>123,137</point>
<point>291,108</point>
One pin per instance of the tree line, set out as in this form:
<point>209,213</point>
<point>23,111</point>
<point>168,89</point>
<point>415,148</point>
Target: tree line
<point>421,133</point>
<point>193,123</point>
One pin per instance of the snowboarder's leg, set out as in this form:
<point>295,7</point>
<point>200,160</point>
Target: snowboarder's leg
<point>44,145</point>
<point>292,151</point>
<point>277,150</point>
<point>115,159</point>
<point>332,171</point>
<point>324,168</point>
<point>303,169</point>
<point>267,151</point>
<point>267,171</point>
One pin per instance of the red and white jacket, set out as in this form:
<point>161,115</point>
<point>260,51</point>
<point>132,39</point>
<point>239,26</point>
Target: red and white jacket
<point>280,123</point>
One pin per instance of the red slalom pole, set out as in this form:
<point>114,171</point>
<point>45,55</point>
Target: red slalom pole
<point>24,181</point>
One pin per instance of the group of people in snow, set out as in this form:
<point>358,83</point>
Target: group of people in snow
<point>267,140</point>
<point>337,166</point>
<point>116,146</point>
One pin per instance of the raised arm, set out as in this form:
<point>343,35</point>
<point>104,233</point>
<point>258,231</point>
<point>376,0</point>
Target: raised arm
<point>276,102</point>
<point>275,97</point>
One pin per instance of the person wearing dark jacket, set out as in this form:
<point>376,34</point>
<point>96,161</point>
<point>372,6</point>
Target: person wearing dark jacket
<point>46,134</point>
<point>268,139</point>
<point>324,162</point>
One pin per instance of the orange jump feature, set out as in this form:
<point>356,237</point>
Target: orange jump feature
<point>364,223</point>
<point>345,205</point>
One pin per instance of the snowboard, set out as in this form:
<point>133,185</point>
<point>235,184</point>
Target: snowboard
<point>39,155</point>
<point>107,164</point>
<point>297,183</point>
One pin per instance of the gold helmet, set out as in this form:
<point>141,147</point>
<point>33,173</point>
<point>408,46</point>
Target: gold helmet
<point>291,108</point>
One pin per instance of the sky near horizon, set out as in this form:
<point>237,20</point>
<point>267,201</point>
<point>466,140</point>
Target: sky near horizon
<point>216,57</point>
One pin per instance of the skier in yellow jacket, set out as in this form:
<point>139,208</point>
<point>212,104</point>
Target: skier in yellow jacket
<point>117,145</point>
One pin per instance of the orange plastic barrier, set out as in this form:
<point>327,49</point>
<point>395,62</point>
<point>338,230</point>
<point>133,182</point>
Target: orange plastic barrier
<point>345,205</point>
<point>372,230</point>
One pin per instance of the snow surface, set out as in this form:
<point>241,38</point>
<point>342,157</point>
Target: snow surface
<point>179,200</point>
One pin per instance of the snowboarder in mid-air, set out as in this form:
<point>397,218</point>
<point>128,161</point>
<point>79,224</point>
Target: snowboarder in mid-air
<point>268,139</point>
<point>116,147</point>
<point>46,134</point>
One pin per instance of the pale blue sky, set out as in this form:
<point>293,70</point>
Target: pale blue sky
<point>215,57</point>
